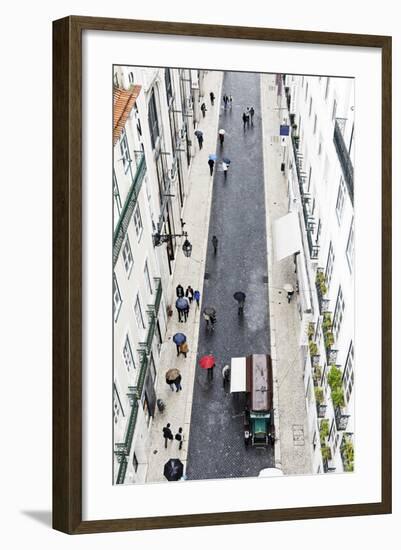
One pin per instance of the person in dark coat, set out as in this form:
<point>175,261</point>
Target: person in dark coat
<point>215,242</point>
<point>179,291</point>
<point>244,119</point>
<point>179,437</point>
<point>167,434</point>
<point>184,349</point>
<point>211,166</point>
<point>189,293</point>
<point>186,311</point>
<point>212,96</point>
<point>252,112</point>
<point>200,140</point>
<point>177,383</point>
<point>203,109</point>
<point>197,297</point>
<point>210,372</point>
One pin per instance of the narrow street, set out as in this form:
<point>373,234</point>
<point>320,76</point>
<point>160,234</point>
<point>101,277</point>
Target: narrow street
<point>216,443</point>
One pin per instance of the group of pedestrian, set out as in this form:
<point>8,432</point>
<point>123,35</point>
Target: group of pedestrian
<point>168,436</point>
<point>227,101</point>
<point>188,296</point>
<point>247,117</point>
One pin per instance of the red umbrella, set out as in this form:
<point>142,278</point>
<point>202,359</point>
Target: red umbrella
<point>207,362</point>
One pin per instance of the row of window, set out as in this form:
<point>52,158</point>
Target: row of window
<point>117,300</point>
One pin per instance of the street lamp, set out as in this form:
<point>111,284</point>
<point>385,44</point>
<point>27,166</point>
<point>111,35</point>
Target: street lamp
<point>159,239</point>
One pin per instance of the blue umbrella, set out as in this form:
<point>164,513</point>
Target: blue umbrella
<point>181,303</point>
<point>213,156</point>
<point>179,338</point>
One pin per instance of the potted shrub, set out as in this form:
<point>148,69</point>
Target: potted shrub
<point>313,348</point>
<point>326,452</point>
<point>319,395</point>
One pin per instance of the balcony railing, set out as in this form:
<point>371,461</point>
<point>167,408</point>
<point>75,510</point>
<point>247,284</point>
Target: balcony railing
<point>128,208</point>
<point>345,159</point>
<point>135,392</point>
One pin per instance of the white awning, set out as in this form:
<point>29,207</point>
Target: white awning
<point>238,374</point>
<point>286,236</point>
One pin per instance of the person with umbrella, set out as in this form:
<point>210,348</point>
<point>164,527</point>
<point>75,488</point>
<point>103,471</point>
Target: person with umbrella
<point>210,162</point>
<point>171,375</point>
<point>179,338</point>
<point>221,136</point>
<point>208,362</point>
<point>173,469</point>
<point>209,314</point>
<point>240,298</point>
<point>181,305</point>
<point>289,290</point>
<point>184,349</point>
<point>199,136</point>
<point>225,164</point>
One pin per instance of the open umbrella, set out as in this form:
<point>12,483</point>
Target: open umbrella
<point>172,374</point>
<point>288,288</point>
<point>210,311</point>
<point>212,156</point>
<point>222,132</point>
<point>179,338</point>
<point>226,160</point>
<point>198,133</point>
<point>239,296</point>
<point>173,469</point>
<point>181,303</point>
<point>207,362</point>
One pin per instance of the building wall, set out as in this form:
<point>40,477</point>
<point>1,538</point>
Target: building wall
<point>323,194</point>
<point>140,266</point>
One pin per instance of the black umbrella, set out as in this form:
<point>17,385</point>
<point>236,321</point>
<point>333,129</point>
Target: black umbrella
<point>226,160</point>
<point>198,133</point>
<point>173,469</point>
<point>239,296</point>
<point>210,311</point>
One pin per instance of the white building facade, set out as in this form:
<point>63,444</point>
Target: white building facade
<point>319,169</point>
<point>155,113</point>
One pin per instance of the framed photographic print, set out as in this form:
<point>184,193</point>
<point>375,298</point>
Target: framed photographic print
<point>222,275</point>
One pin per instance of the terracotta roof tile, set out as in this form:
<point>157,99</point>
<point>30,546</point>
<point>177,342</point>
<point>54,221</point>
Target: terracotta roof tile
<point>123,102</point>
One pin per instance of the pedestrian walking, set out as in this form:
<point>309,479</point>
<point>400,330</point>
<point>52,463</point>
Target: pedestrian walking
<point>200,140</point>
<point>178,346</point>
<point>212,321</point>
<point>226,374</point>
<point>185,311</point>
<point>211,165</point>
<point>252,112</point>
<point>179,291</point>
<point>167,434</point>
<point>244,119</point>
<point>207,319</point>
<point>197,297</point>
<point>170,382</point>
<point>224,166</point>
<point>180,314</point>
<point>221,136</point>
<point>184,349</point>
<point>230,101</point>
<point>215,242</point>
<point>212,96</point>
<point>210,372</point>
<point>180,438</point>
<point>225,101</point>
<point>203,109</point>
<point>177,383</point>
<point>248,115</point>
<point>189,293</point>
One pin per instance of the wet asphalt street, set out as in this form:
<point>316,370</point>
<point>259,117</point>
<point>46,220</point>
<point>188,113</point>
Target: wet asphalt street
<point>216,443</point>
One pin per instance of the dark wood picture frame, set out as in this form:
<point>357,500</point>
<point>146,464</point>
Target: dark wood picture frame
<point>67,274</point>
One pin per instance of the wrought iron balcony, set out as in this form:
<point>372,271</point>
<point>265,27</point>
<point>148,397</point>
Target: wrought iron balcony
<point>159,293</point>
<point>321,410</point>
<point>345,159</point>
<point>313,247</point>
<point>128,208</point>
